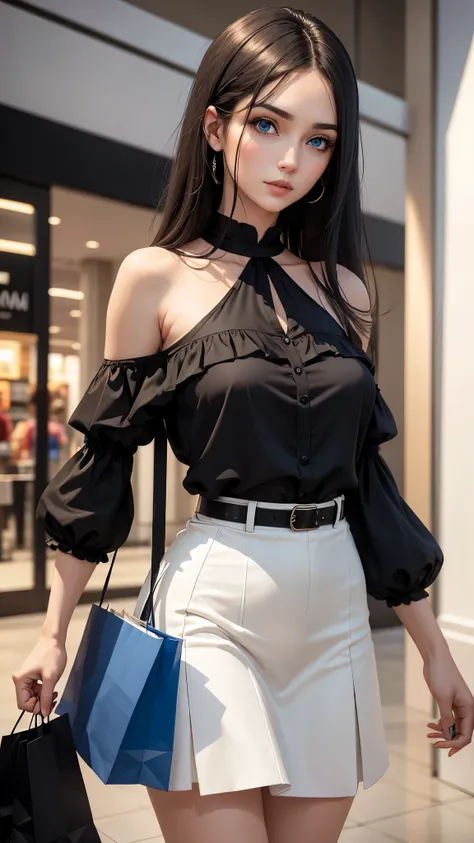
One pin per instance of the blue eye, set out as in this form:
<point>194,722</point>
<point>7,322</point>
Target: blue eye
<point>264,125</point>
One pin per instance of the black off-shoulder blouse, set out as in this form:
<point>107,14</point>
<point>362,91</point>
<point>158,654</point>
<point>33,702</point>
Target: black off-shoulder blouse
<point>254,412</point>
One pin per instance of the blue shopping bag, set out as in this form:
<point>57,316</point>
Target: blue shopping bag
<point>121,698</point>
<point>121,694</point>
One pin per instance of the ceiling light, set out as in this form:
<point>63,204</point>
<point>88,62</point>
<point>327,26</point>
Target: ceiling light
<point>76,346</point>
<point>14,247</point>
<point>54,220</point>
<point>64,343</point>
<point>75,314</point>
<point>17,207</point>
<point>53,329</point>
<point>55,361</point>
<point>92,244</point>
<point>64,293</point>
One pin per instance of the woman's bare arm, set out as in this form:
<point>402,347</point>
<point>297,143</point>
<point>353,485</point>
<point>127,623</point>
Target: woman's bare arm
<point>70,577</point>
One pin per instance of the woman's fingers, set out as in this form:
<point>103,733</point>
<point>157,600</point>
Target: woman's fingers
<point>453,745</point>
<point>26,698</point>
<point>37,706</point>
<point>28,693</point>
<point>464,725</point>
<point>460,740</point>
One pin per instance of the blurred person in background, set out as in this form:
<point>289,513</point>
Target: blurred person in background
<point>245,329</point>
<point>6,428</point>
<point>23,438</point>
<point>23,455</point>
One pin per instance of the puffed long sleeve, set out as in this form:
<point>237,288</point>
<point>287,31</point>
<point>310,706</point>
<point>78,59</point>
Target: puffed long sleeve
<point>87,508</point>
<point>400,556</point>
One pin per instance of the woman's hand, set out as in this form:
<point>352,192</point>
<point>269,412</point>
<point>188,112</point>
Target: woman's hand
<point>35,680</point>
<point>455,701</point>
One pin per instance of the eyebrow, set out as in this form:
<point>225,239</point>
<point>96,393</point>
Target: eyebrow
<point>287,116</point>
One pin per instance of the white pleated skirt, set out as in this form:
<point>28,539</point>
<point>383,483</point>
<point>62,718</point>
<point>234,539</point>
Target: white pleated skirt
<point>278,681</point>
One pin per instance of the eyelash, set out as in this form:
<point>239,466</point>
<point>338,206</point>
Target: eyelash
<point>253,123</point>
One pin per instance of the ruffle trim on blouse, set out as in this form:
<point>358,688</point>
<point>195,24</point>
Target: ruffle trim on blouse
<point>94,558</point>
<point>201,353</point>
<point>310,347</point>
<point>164,371</point>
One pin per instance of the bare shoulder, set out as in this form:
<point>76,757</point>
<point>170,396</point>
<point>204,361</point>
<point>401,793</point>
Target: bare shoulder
<point>150,263</point>
<point>354,291</point>
<point>133,323</point>
<point>353,288</point>
<point>351,285</point>
<point>357,295</point>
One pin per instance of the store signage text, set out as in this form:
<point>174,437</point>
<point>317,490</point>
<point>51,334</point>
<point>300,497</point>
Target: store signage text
<point>17,294</point>
<point>13,301</point>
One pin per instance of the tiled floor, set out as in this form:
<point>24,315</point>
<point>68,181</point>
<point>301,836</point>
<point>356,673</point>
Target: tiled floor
<point>407,805</point>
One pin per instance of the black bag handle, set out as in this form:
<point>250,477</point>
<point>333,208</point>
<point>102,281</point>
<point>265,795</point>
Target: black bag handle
<point>158,531</point>
<point>18,722</point>
<point>44,721</point>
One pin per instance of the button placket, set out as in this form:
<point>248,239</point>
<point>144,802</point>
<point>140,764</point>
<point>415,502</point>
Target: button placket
<point>303,417</point>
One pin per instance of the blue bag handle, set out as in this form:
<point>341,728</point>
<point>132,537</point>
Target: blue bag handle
<point>158,530</point>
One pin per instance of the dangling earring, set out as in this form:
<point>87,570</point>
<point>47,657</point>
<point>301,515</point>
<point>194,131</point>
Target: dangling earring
<point>312,201</point>
<point>214,168</point>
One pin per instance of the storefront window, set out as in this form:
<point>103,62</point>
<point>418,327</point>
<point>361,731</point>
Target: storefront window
<point>17,463</point>
<point>18,359</point>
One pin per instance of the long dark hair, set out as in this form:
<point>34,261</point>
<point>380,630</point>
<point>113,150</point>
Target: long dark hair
<point>263,47</point>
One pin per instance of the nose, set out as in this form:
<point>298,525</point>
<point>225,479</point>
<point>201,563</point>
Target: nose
<point>289,163</point>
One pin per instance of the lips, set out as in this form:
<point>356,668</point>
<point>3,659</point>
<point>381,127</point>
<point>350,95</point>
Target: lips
<point>281,183</point>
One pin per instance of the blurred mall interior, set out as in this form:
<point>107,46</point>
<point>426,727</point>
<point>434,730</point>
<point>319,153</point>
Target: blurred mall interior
<point>91,96</point>
<point>89,237</point>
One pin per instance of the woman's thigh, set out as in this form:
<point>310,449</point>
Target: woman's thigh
<point>187,817</point>
<point>293,818</point>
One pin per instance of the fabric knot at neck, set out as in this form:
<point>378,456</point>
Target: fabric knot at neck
<point>240,238</point>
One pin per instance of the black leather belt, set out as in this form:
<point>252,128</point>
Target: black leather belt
<point>301,517</point>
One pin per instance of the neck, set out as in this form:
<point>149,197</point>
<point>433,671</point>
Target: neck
<point>251,213</point>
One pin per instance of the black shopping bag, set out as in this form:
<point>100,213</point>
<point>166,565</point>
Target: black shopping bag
<point>9,749</point>
<point>21,813</point>
<point>50,803</point>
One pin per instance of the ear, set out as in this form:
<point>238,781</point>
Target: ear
<point>212,126</point>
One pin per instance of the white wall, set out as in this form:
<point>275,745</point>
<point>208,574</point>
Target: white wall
<point>455,371</point>
<point>383,181</point>
<point>123,22</point>
<point>72,78</point>
<point>53,72</point>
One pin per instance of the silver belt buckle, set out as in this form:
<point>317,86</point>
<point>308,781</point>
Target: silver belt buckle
<point>293,517</point>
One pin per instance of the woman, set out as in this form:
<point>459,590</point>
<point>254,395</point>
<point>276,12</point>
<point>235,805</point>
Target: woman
<point>252,294</point>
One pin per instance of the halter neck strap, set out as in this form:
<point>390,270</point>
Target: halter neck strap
<point>240,238</point>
